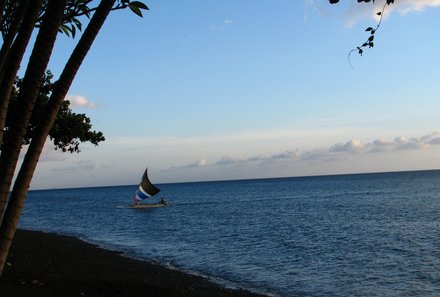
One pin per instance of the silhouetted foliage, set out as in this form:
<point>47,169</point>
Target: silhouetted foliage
<point>74,9</point>
<point>369,43</point>
<point>69,128</point>
<point>18,18</point>
<point>77,8</point>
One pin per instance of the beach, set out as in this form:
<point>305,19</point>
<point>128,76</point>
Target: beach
<point>44,264</point>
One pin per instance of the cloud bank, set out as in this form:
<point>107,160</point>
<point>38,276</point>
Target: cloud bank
<point>335,152</point>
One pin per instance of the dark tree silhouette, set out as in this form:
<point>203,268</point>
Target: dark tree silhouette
<point>69,129</point>
<point>52,17</point>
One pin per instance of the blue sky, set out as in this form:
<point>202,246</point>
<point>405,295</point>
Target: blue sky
<point>213,90</point>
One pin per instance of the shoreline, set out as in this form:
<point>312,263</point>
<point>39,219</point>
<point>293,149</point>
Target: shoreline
<point>46,264</point>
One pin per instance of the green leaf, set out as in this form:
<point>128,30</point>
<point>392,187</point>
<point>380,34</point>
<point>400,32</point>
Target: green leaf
<point>73,30</point>
<point>135,9</point>
<point>65,30</point>
<point>85,10</point>
<point>139,5</point>
<point>369,29</point>
<point>77,23</point>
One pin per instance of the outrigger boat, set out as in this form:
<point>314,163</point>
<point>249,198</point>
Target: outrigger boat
<point>146,190</point>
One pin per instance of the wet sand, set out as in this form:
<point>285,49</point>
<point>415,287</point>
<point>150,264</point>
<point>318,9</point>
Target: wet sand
<point>42,264</point>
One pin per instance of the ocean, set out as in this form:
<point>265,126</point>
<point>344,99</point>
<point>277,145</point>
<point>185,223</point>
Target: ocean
<point>344,235</point>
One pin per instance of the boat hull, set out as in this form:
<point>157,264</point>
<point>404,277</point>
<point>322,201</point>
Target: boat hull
<point>150,205</point>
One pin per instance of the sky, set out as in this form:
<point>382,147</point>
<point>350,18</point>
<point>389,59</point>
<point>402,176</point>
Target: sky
<point>203,90</point>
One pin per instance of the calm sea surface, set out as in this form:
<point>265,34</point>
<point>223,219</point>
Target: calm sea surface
<point>346,235</point>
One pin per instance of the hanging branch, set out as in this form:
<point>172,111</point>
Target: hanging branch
<point>370,41</point>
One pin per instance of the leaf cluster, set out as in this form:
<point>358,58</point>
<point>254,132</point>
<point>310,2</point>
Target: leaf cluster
<point>78,8</point>
<point>74,10</point>
<point>71,22</point>
<point>369,43</point>
<point>69,128</point>
<point>10,12</point>
<point>370,40</point>
<point>136,6</point>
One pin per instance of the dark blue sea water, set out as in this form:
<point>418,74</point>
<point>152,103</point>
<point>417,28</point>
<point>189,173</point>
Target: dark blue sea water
<point>346,235</point>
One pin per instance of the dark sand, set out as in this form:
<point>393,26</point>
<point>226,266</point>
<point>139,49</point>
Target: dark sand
<point>41,264</point>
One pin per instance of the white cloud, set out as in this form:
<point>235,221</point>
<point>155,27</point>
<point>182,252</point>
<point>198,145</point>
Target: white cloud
<point>434,141</point>
<point>317,6</point>
<point>228,22</point>
<point>227,160</point>
<point>196,164</point>
<point>402,7</point>
<point>380,145</point>
<point>80,101</point>
<point>352,11</point>
<point>352,146</point>
<point>289,154</point>
<point>407,6</point>
<point>223,25</point>
<point>286,155</point>
<point>201,163</point>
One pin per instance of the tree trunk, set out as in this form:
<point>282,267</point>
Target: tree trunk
<point>21,186</point>
<point>13,138</point>
<point>9,38</point>
<point>9,72</point>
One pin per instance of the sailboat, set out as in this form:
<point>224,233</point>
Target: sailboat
<point>146,190</point>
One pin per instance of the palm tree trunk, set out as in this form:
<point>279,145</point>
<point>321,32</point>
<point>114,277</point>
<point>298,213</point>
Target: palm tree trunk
<point>19,192</point>
<point>13,138</point>
<point>12,32</point>
<point>9,72</point>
